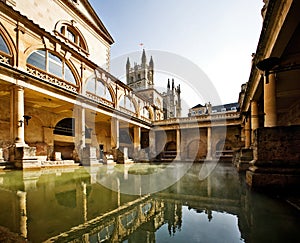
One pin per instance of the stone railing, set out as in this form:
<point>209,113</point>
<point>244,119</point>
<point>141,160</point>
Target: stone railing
<point>201,118</point>
<point>128,112</point>
<point>145,119</point>
<point>99,99</point>
<point>5,59</point>
<point>51,79</point>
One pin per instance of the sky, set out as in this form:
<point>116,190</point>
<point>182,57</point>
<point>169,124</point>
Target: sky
<point>217,36</point>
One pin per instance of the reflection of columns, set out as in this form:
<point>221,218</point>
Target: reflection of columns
<point>270,102</point>
<point>209,155</point>
<point>19,115</point>
<point>209,186</point>
<point>247,132</point>
<point>178,144</point>
<point>115,133</point>
<point>23,213</point>
<point>254,118</point>
<point>137,139</point>
<point>119,192</point>
<point>84,199</point>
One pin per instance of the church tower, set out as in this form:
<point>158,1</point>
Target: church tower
<point>140,77</point>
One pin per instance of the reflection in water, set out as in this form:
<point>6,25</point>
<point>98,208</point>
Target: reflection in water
<point>69,205</point>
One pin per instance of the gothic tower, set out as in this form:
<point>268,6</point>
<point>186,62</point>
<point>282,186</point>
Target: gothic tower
<point>140,77</point>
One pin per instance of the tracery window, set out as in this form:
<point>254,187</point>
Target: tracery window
<point>5,54</point>
<point>99,88</point>
<point>127,103</point>
<point>51,63</point>
<point>3,46</point>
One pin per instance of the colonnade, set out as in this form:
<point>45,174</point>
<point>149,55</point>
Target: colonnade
<point>270,111</point>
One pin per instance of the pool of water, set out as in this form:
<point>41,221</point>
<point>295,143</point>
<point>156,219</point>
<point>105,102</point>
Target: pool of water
<point>127,203</point>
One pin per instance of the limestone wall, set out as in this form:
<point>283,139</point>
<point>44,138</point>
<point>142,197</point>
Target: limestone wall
<point>277,146</point>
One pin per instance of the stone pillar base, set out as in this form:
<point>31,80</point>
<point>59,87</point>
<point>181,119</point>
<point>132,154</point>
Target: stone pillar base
<point>89,156</point>
<point>25,158</point>
<point>273,178</point>
<point>246,156</point>
<point>118,156</point>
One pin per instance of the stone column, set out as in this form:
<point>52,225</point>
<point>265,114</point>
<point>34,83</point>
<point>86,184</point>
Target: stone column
<point>247,132</point>
<point>13,125</point>
<point>19,115</point>
<point>136,139</point>
<point>254,118</point>
<point>209,154</point>
<point>152,144</point>
<point>79,127</point>
<point>270,102</point>
<point>178,144</point>
<point>115,126</point>
<point>82,123</point>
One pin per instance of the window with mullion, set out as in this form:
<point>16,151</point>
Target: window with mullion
<point>55,65</point>
<point>68,75</point>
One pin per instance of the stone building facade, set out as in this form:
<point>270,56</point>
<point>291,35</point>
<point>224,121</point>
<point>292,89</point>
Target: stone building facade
<point>57,103</point>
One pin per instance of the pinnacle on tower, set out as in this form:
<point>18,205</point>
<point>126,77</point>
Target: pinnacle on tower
<point>173,84</point>
<point>144,59</point>
<point>128,64</point>
<point>168,86</point>
<point>151,63</point>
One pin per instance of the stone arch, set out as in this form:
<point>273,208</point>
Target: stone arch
<point>149,115</point>
<point>171,146</point>
<point>65,129</point>
<point>96,78</point>
<point>132,101</point>
<point>71,25</point>
<point>196,149</point>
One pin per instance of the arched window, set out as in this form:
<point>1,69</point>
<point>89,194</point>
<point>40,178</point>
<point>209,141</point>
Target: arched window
<point>51,63</point>
<point>65,127</point>
<point>98,88</point>
<point>72,35</point>
<point>127,103</point>
<point>5,54</point>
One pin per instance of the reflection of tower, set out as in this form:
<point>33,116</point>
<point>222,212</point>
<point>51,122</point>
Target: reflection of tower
<point>140,77</point>
<point>173,216</point>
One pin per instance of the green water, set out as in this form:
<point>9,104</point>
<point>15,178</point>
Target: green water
<point>93,205</point>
